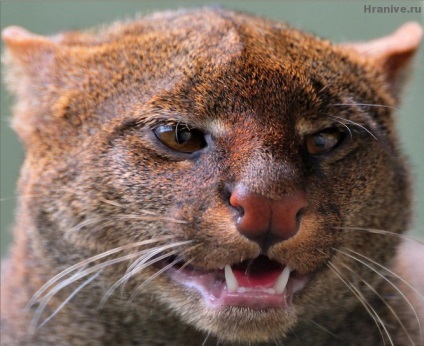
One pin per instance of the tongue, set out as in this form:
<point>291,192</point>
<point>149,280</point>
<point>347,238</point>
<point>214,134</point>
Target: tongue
<point>260,273</point>
<point>265,280</point>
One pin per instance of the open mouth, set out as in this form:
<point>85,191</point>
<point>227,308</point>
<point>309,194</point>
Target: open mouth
<point>258,283</point>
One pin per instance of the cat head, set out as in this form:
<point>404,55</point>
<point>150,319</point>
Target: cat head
<point>250,155</point>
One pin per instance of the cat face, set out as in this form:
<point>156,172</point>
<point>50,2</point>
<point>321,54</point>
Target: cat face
<point>231,159</point>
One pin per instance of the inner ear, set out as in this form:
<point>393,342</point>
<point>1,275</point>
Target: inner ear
<point>393,53</point>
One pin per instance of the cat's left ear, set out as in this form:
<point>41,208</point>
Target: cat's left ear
<point>393,53</point>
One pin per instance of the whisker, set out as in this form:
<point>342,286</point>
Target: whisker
<point>319,326</point>
<point>79,226</point>
<point>383,300</point>
<point>170,265</point>
<point>140,264</point>
<point>113,203</point>
<point>139,288</point>
<point>111,221</point>
<point>85,262</point>
<point>386,279</point>
<point>86,272</point>
<point>44,302</point>
<point>364,104</point>
<point>122,281</point>
<point>79,288</point>
<point>356,124</point>
<point>77,276</point>
<point>384,268</point>
<point>348,128</point>
<point>382,232</point>
<point>148,218</point>
<point>206,339</point>
<point>186,263</point>
<point>125,207</point>
<point>185,252</point>
<point>276,342</point>
<point>143,259</point>
<point>364,302</point>
<point>142,211</point>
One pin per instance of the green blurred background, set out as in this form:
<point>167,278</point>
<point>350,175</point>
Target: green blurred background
<point>338,21</point>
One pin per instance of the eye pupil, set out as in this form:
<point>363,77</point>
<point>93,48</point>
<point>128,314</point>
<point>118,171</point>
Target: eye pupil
<point>182,136</point>
<point>320,141</point>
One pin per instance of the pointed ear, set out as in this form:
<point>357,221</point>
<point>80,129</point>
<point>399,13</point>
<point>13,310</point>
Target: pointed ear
<point>30,62</point>
<point>24,47</point>
<point>28,58</point>
<point>393,53</point>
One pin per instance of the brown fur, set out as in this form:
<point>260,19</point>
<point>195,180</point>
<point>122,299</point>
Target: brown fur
<point>95,179</point>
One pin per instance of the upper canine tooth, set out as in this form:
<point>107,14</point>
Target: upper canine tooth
<point>230,279</point>
<point>282,280</point>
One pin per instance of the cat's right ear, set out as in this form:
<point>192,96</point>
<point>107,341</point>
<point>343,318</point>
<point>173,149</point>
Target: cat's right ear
<point>24,48</point>
<point>28,58</point>
<point>32,63</point>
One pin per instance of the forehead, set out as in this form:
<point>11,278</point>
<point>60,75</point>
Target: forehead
<point>213,68</point>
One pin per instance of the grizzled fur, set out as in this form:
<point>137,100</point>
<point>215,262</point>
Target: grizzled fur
<point>95,178</point>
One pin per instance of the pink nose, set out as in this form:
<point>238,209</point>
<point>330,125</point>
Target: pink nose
<point>264,220</point>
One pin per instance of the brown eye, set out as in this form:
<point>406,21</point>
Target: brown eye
<point>323,142</point>
<point>180,138</point>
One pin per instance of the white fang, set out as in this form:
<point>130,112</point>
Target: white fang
<point>282,280</point>
<point>230,279</point>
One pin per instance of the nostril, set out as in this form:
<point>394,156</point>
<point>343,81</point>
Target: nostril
<point>227,194</point>
<point>240,211</point>
<point>236,200</point>
<point>299,215</point>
